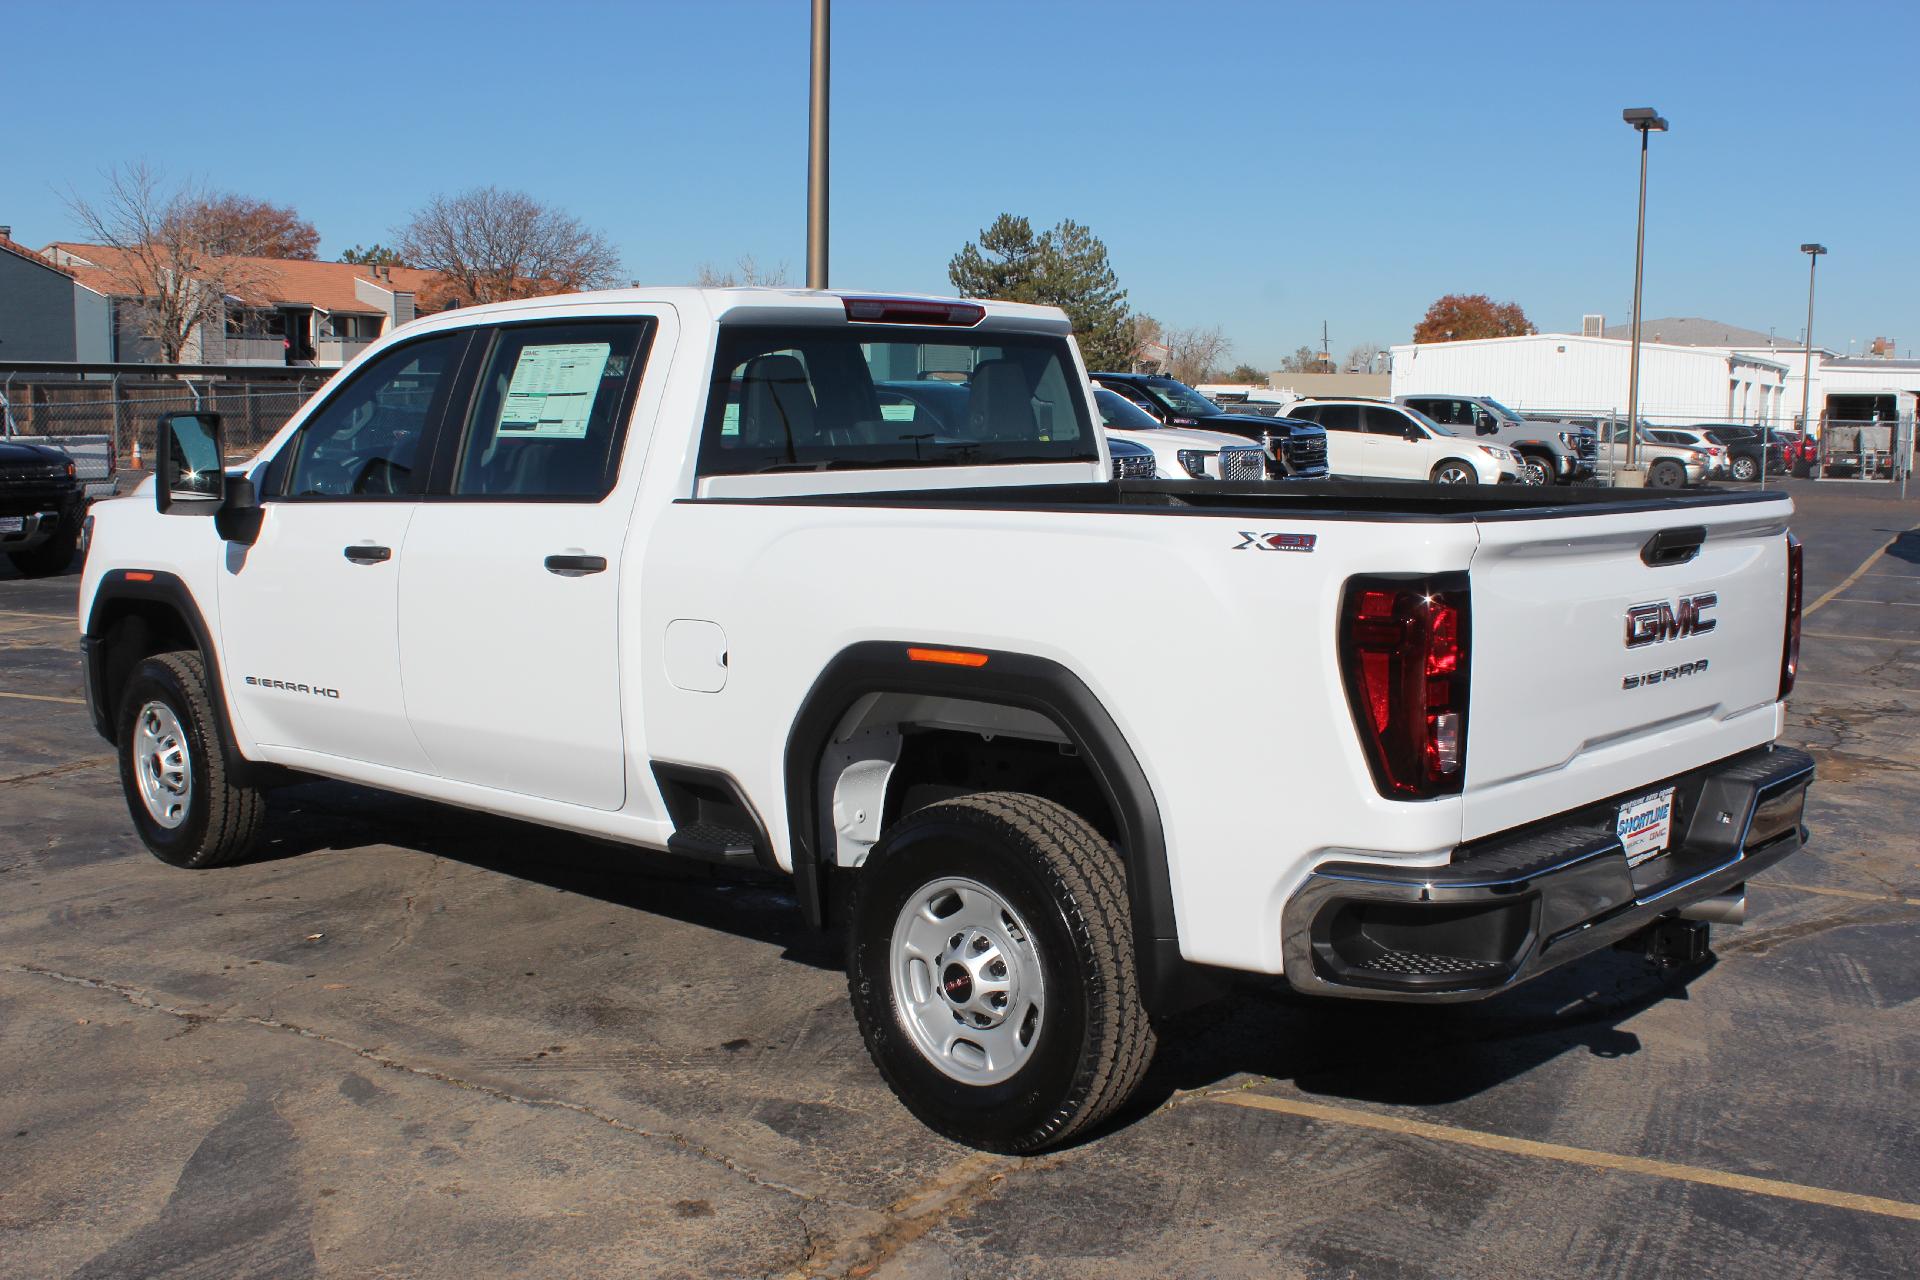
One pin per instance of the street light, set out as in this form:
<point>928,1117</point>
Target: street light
<point>1813,252</point>
<point>1645,120</point>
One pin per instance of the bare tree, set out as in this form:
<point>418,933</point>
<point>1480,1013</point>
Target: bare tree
<point>1361,358</point>
<point>750,273</point>
<point>490,245</point>
<point>160,261</point>
<point>1196,352</point>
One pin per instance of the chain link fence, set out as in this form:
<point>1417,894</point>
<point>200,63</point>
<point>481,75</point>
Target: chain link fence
<point>1883,449</point>
<point>94,419</point>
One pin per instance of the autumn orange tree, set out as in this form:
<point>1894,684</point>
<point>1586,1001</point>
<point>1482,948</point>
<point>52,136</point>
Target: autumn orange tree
<point>1459,317</point>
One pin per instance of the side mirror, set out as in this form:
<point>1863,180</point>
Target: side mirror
<point>190,462</point>
<point>1412,432</point>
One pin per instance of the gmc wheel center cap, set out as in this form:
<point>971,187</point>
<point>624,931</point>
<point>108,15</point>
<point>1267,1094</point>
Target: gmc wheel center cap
<point>956,984</point>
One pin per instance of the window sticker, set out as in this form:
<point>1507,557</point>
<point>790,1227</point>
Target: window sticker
<point>551,394</point>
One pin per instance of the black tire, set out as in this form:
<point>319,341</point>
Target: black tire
<point>1453,466</point>
<point>1667,474</point>
<point>1746,469</point>
<point>1066,883</point>
<point>222,819</point>
<point>52,556</point>
<point>1535,468</point>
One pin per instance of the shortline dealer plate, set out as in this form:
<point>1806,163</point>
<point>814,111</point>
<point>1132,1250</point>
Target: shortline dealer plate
<point>1645,826</point>
<point>12,524</point>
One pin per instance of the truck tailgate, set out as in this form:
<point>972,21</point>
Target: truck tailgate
<point>1564,711</point>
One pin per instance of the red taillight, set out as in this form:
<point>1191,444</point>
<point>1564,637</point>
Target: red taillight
<point>1404,656</point>
<point>913,311</point>
<point>1790,647</point>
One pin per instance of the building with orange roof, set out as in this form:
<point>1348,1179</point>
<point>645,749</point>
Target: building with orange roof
<point>275,310</point>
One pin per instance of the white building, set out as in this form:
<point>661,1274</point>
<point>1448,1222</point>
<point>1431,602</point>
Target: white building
<point>1564,373</point>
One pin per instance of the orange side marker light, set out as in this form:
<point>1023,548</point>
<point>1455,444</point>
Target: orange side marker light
<point>948,657</point>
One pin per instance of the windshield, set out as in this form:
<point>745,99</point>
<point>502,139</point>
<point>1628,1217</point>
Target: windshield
<point>1181,398</point>
<point>1503,411</point>
<point>817,398</point>
<point>1117,413</point>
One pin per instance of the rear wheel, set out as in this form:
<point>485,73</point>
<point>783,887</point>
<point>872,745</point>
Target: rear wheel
<point>1667,474</point>
<point>1745,469</point>
<point>178,779</point>
<point>1454,471</point>
<point>991,968</point>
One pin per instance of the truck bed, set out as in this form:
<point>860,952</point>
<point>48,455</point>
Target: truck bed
<point>1311,499</point>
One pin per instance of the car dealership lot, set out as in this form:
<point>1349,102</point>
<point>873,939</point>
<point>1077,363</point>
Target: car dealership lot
<point>414,1041</point>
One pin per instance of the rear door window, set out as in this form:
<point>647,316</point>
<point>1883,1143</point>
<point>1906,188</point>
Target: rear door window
<point>550,410</point>
<point>1339,417</point>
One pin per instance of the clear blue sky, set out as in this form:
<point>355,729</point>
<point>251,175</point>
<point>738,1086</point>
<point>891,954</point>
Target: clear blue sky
<point>1263,167</point>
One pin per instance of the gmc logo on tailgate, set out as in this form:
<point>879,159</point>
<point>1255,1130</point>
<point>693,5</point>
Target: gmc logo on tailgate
<point>1658,620</point>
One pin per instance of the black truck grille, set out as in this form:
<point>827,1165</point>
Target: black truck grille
<point>1306,452</point>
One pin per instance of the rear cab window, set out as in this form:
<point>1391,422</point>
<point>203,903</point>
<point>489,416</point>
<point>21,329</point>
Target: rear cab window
<point>826,397</point>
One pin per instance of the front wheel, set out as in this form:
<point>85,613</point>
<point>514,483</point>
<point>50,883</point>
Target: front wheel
<point>991,967</point>
<point>178,778</point>
<point>1534,469</point>
<point>1454,471</point>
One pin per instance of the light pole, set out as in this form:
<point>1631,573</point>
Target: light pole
<point>1645,120</point>
<point>817,150</point>
<point>1813,252</point>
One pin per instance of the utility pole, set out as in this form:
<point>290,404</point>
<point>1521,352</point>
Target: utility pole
<point>1813,252</point>
<point>1326,353</point>
<point>817,149</point>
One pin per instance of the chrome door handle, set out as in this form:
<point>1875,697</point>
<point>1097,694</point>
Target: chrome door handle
<point>575,566</point>
<point>369,555</point>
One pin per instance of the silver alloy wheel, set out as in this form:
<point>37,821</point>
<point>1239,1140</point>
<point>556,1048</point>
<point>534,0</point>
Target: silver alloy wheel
<point>967,982</point>
<point>162,764</point>
<point>1454,473</point>
<point>1744,469</point>
<point>1532,470</point>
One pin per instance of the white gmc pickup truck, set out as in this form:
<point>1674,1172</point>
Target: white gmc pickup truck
<point>655,566</point>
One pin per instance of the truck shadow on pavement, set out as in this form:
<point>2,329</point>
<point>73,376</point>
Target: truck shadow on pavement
<point>1388,1053</point>
<point>313,816</point>
<point>1404,1054</point>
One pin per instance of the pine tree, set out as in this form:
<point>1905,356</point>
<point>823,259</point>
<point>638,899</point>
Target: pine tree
<point>1066,267</point>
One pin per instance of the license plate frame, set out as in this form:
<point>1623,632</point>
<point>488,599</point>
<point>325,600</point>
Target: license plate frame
<point>1645,826</point>
<point>13,524</point>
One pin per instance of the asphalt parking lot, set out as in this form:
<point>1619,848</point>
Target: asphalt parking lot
<point>409,1041</point>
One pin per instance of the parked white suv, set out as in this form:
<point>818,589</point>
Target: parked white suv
<point>654,566</point>
<point>1380,440</point>
<point>1719,458</point>
<point>1180,451</point>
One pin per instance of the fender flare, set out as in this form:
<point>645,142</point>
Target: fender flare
<point>143,586</point>
<point>1009,679</point>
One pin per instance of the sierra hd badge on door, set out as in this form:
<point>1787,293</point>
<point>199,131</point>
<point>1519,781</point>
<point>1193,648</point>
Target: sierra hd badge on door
<point>1660,620</point>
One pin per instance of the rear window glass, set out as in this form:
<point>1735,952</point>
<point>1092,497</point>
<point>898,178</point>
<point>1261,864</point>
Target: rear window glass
<point>822,398</point>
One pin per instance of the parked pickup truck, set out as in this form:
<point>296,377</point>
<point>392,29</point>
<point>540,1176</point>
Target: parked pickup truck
<point>1555,452</point>
<point>653,566</point>
<point>42,506</point>
<point>1294,450</point>
<point>95,465</point>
